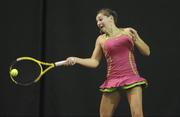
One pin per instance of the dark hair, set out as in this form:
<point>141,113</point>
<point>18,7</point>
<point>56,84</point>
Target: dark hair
<point>108,12</point>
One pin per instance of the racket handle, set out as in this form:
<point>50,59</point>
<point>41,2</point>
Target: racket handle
<point>59,63</point>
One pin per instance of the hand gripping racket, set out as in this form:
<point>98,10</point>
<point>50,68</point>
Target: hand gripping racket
<point>27,70</point>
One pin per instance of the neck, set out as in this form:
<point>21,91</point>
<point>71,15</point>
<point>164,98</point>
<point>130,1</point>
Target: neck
<point>112,31</point>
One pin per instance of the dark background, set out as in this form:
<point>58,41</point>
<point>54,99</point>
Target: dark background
<point>51,30</point>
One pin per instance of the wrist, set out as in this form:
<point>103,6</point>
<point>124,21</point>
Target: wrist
<point>77,60</point>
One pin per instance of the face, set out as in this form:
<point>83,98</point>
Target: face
<point>103,22</point>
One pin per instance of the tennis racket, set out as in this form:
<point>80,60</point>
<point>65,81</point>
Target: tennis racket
<point>27,70</point>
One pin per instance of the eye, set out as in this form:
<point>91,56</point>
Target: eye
<point>100,19</point>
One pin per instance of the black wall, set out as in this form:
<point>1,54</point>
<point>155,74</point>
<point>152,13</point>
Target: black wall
<point>51,30</point>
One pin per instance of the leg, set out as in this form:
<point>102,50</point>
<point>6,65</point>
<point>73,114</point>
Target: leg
<point>135,101</point>
<point>109,103</point>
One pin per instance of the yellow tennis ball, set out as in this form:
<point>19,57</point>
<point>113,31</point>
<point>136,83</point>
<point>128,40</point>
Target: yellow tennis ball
<point>14,72</point>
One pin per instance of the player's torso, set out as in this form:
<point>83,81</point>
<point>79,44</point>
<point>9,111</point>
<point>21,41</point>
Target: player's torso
<point>119,54</point>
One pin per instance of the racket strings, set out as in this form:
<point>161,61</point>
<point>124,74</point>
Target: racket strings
<point>28,72</point>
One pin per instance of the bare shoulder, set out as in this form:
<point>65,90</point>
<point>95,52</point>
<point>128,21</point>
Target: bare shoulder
<point>100,38</point>
<point>129,29</point>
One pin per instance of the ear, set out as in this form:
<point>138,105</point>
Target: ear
<point>111,17</point>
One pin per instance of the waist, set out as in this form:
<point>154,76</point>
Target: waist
<point>121,70</point>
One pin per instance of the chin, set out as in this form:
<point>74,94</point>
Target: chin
<point>102,31</point>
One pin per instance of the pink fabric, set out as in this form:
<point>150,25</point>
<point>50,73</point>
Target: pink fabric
<point>121,66</point>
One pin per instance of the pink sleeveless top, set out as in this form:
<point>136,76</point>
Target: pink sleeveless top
<point>121,66</point>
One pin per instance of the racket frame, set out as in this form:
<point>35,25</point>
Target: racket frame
<point>39,63</point>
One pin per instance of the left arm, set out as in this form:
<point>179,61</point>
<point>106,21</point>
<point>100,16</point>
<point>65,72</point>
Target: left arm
<point>139,43</point>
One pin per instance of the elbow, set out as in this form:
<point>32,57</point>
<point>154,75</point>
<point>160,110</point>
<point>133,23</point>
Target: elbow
<point>95,64</point>
<point>94,67</point>
<point>147,52</point>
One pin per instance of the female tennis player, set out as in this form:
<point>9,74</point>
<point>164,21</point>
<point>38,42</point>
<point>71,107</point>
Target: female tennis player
<point>117,44</point>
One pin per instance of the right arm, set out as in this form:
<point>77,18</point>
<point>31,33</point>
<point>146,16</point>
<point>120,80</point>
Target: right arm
<point>91,62</point>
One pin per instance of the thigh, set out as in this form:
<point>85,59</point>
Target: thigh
<point>135,99</point>
<point>109,103</point>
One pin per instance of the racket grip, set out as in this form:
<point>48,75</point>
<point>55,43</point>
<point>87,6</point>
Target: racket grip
<point>59,63</point>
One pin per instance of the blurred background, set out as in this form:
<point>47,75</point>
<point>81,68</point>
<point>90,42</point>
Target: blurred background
<point>52,30</point>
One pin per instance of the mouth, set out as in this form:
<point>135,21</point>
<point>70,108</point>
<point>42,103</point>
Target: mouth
<point>101,28</point>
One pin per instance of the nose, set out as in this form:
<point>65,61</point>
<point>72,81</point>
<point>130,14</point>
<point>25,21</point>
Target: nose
<point>98,23</point>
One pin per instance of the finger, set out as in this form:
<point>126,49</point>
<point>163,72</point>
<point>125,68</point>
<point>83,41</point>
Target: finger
<point>132,31</point>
